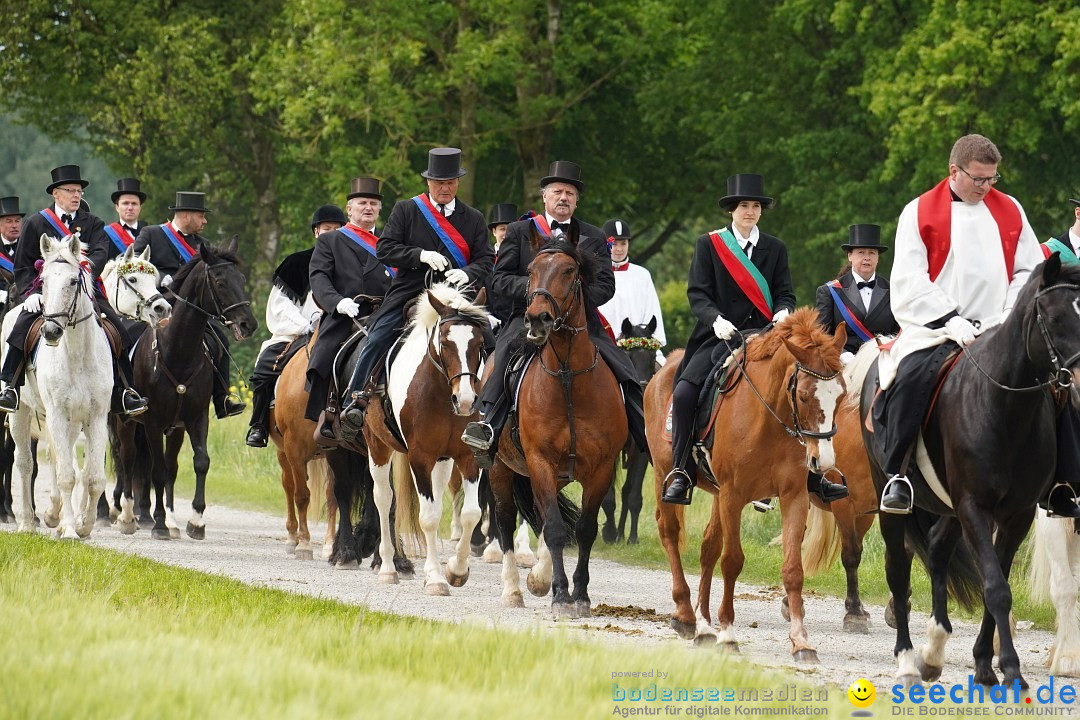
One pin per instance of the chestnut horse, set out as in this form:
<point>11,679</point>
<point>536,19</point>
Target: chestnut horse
<point>572,427</point>
<point>431,386</point>
<point>776,423</point>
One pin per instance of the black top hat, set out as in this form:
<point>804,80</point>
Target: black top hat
<point>363,187</point>
<point>190,201</point>
<point>617,229</point>
<point>10,206</point>
<point>1074,201</point>
<point>564,171</point>
<point>502,214</point>
<point>443,164</point>
<point>329,213</point>
<point>864,236</point>
<point>66,175</point>
<point>745,186</point>
<point>128,186</point>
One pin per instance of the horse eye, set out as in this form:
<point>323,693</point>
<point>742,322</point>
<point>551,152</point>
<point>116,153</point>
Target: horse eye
<point>129,280</point>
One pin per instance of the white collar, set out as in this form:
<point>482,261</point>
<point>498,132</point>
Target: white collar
<point>859,278</point>
<point>448,208</point>
<point>754,235</point>
<point>1074,240</point>
<point>553,220</point>
<point>61,213</point>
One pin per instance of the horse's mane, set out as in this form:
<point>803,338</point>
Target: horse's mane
<point>64,251</point>
<point>427,316</point>
<point>216,253</point>
<point>589,264</point>
<point>801,328</point>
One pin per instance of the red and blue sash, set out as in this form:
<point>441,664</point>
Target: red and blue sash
<point>451,238</point>
<point>743,272</point>
<point>1066,252</point>
<point>120,237</point>
<point>366,240</point>
<point>56,222</point>
<point>6,263</point>
<point>935,225</point>
<point>540,222</point>
<point>185,251</point>
<point>849,317</point>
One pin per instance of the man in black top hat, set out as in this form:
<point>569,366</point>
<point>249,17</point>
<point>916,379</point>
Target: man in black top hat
<point>343,267</point>
<point>127,200</point>
<point>64,217</point>
<point>172,245</point>
<point>433,236</point>
<point>291,314</point>
<point>10,219</point>
<point>560,191</point>
<point>501,216</point>
<point>858,295</point>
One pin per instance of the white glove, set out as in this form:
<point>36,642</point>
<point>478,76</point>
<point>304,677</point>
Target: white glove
<point>166,281</point>
<point>723,328</point>
<point>846,357</point>
<point>434,260</point>
<point>3,296</point>
<point>33,303</point>
<point>961,330</point>
<point>494,322</point>
<point>457,276</point>
<point>313,321</point>
<point>348,306</point>
<point>780,314</point>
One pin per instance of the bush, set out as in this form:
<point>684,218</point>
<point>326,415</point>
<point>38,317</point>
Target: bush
<point>678,320</point>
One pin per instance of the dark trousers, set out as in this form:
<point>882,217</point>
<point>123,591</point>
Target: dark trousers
<point>381,337</point>
<point>684,401</point>
<point>263,378</point>
<point>1068,446</point>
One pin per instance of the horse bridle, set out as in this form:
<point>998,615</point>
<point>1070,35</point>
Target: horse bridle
<point>144,302</point>
<point>219,313</point>
<point>436,359</point>
<point>69,314</point>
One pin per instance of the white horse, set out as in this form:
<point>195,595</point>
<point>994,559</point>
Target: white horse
<point>1055,572</point>
<point>69,384</point>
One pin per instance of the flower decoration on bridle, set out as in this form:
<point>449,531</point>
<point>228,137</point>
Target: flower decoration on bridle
<point>136,267</point>
<point>639,343</point>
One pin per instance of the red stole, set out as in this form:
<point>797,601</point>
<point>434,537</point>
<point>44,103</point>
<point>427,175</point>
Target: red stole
<point>935,225</point>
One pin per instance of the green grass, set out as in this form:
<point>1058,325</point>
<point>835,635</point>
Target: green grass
<point>248,478</point>
<point>93,633</point>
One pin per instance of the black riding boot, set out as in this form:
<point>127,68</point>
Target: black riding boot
<point>826,491</point>
<point>125,400</point>
<point>12,376</point>
<point>683,476</point>
<point>259,430</point>
<point>482,436</point>
<point>1061,501</point>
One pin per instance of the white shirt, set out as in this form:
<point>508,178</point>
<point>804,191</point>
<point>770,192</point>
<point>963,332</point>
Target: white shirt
<point>753,239</point>
<point>285,319</point>
<point>1074,240</point>
<point>448,208</point>
<point>866,292</point>
<point>635,299</point>
<point>560,232</point>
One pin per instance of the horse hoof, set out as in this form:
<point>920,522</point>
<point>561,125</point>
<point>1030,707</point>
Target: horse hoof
<point>456,580</point>
<point>537,587</point>
<point>476,550</point>
<point>388,578</point>
<point>609,535</point>
<point>730,646</point>
<point>127,528</point>
<point>1066,666</point>
<point>83,531</point>
<point>856,624</point>
<point>350,565</point>
<point>146,522</point>
<point>929,673</point>
<point>102,522</point>
<point>583,609</point>
<point>492,556</point>
<point>513,600</point>
<point>174,533</point>
<point>805,656</point>
<point>161,534</point>
<point>195,532</point>
<point>26,528</point>
<point>685,630</point>
<point>525,561</point>
<point>307,554</point>
<point>908,681</point>
<point>51,521</point>
<point>290,547</point>
<point>704,640</point>
<point>562,611</point>
<point>437,589</point>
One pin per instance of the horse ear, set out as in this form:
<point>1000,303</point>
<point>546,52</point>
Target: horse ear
<point>840,337</point>
<point>1051,269</point>
<point>204,253</point>
<point>651,327</point>
<point>481,297</point>
<point>435,303</point>
<point>129,253</point>
<point>73,245</point>
<point>627,327</point>
<point>801,354</point>
<point>45,244</point>
<point>231,246</point>
<point>145,253</point>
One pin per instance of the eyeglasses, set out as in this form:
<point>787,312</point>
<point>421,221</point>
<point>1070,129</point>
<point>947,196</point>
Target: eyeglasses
<point>981,181</point>
<point>71,191</point>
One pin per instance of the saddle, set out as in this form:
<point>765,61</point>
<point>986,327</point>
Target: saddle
<point>294,346</point>
<point>515,373</point>
<point>33,336</point>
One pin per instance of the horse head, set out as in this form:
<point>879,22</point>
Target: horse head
<point>1051,318</point>
<point>456,342</point>
<point>64,283</point>
<point>815,385</point>
<point>131,282</point>
<point>554,302</point>
<point>212,282</point>
<point>641,347</point>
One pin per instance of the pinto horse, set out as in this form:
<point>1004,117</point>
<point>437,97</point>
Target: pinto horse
<point>571,426</point>
<point>790,374</point>
<point>174,372</point>
<point>431,387</point>
<point>989,446</point>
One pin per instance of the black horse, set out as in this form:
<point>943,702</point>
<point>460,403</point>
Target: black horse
<point>991,442</point>
<point>634,460</point>
<point>174,371</point>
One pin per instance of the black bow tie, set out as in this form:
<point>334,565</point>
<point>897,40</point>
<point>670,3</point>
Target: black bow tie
<point>556,225</point>
<point>129,229</point>
<point>867,284</point>
<point>66,219</point>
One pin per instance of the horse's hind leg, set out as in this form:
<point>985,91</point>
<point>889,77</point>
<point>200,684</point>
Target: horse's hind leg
<point>501,478</point>
<point>611,534</point>
<point>301,498</point>
<point>93,473</point>
<point>288,484</point>
<point>898,576</point>
<point>1060,546</point>
<point>174,440</point>
<point>383,495</point>
<point>344,554</point>
<point>944,536</point>
<point>852,530</point>
<point>23,468</point>
<point>712,543</point>
<point>632,486</point>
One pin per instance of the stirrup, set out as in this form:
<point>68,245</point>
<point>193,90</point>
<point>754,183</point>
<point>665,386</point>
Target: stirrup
<point>676,474</point>
<point>15,391</point>
<point>1075,500</point>
<point>762,506</point>
<point>899,479</point>
<point>478,435</point>
<point>141,403</point>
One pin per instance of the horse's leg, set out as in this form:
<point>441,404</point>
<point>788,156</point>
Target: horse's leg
<point>457,565</point>
<point>343,554</point>
<point>898,576</point>
<point>155,445</point>
<point>669,520</point>
<point>594,490</point>
<point>731,565</point>
<point>546,494</point>
<point>995,560</point>
<point>457,498</point>
<point>93,473</point>
<point>383,494</point>
<point>437,480</point>
<point>51,516</point>
<point>331,518</point>
<point>524,554</point>
<point>288,484</point>
<point>174,440</point>
<point>23,467</point>
<point>943,538</point>
<point>712,542</point>
<point>611,534</point>
<point>793,513</point>
<point>539,578</point>
<point>632,485</point>
<point>62,433</point>
<point>1061,550</point>
<point>501,478</point>
<point>125,469</point>
<point>852,530</point>
<point>297,460</point>
<point>196,527</point>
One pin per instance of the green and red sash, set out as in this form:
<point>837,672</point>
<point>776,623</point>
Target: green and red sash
<point>185,251</point>
<point>366,240</point>
<point>935,225</point>
<point>745,273</point>
<point>120,237</point>
<point>1065,251</point>
<point>849,317</point>
<point>451,238</point>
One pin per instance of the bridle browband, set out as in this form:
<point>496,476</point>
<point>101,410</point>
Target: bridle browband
<point>144,302</point>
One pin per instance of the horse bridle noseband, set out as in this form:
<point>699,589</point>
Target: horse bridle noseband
<point>219,312</point>
<point>69,314</point>
<point>144,302</point>
<point>436,358</point>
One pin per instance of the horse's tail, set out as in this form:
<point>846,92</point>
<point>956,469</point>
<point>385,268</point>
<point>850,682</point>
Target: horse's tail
<point>407,513</point>
<point>963,576</point>
<point>526,505</point>
<point>821,543</point>
<point>856,370</point>
<point>318,474</point>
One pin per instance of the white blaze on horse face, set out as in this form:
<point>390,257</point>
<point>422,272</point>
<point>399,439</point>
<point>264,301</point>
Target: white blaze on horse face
<point>828,394</point>
<point>459,337</point>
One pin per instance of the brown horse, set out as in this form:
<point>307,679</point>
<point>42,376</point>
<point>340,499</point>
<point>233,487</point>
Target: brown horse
<point>790,374</point>
<point>431,386</point>
<point>572,426</point>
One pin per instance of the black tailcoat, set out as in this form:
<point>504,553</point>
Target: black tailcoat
<point>878,319</point>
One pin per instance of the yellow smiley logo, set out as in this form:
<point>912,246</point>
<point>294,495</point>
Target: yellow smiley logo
<point>862,693</point>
